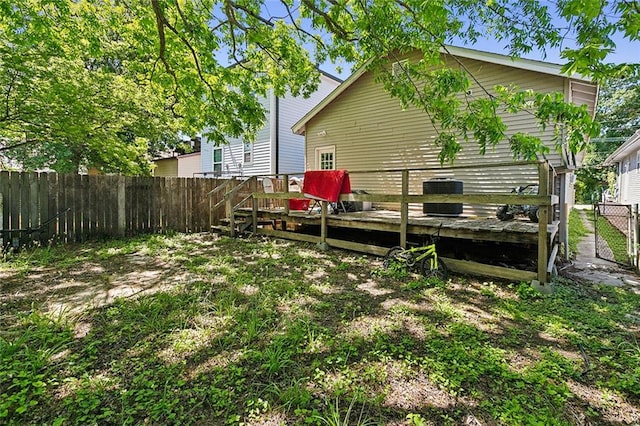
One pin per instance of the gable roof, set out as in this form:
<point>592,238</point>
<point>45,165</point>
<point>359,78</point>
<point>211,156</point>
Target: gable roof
<point>627,148</point>
<point>462,52</point>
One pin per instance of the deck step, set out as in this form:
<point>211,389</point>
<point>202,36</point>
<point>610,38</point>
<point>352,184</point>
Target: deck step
<point>241,213</point>
<point>238,222</point>
<point>220,229</point>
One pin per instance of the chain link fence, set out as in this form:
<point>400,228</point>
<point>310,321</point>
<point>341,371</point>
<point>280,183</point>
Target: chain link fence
<point>614,225</point>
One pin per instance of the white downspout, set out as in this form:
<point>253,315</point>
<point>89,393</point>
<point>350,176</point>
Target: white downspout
<point>273,130</point>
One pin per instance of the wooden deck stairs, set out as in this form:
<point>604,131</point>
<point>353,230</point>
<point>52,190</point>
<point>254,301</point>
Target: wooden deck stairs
<point>243,222</point>
<point>238,195</point>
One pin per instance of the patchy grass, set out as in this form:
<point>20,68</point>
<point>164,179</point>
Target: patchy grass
<point>615,239</point>
<point>197,330</point>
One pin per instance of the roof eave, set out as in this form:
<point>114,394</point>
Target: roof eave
<point>624,149</point>
<point>520,63</point>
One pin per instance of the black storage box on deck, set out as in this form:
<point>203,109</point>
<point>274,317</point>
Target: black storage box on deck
<point>357,206</point>
<point>442,186</point>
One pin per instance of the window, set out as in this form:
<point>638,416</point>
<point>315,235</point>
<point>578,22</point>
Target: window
<point>326,158</point>
<point>217,161</point>
<point>247,153</point>
<point>638,162</point>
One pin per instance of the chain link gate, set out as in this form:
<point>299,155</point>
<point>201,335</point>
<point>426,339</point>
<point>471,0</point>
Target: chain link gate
<point>614,232</point>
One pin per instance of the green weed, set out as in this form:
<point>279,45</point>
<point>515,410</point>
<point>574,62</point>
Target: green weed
<point>260,330</point>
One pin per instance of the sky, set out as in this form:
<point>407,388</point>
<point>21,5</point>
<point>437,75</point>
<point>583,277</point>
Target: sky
<point>626,51</point>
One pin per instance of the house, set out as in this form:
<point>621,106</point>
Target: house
<point>360,127</point>
<point>627,160</point>
<point>184,165</point>
<point>276,149</point>
<point>178,163</point>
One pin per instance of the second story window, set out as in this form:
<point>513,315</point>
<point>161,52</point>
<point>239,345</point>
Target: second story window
<point>247,153</point>
<point>217,162</point>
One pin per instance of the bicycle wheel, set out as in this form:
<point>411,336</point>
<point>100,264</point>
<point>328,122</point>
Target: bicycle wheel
<point>393,255</point>
<point>440,270</point>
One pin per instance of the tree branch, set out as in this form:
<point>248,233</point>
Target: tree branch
<point>160,23</point>
<point>316,37</point>
<point>194,55</point>
<point>17,145</point>
<point>334,27</point>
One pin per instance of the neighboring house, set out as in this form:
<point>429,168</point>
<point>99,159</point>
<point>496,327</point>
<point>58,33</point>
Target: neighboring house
<point>627,160</point>
<point>360,127</point>
<point>276,149</point>
<point>185,165</point>
<point>179,164</point>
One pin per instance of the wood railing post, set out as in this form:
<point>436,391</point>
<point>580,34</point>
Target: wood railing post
<point>563,227</point>
<point>404,209</point>
<point>543,239</point>
<point>323,225</point>
<point>254,204</point>
<point>636,237</point>
<point>285,188</point>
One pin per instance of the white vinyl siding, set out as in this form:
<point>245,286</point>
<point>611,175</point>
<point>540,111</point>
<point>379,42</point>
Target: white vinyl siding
<point>247,153</point>
<point>629,180</point>
<point>238,161</point>
<point>291,146</point>
<point>261,151</point>
<point>627,159</point>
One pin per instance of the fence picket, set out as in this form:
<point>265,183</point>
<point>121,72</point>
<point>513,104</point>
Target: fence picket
<point>6,200</point>
<point>52,204</point>
<point>105,205</point>
<point>43,207</point>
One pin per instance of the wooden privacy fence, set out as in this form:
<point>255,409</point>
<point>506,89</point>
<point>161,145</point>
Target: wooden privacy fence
<point>104,205</point>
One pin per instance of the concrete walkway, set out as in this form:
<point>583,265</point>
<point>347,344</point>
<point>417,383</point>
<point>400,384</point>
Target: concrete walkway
<point>587,267</point>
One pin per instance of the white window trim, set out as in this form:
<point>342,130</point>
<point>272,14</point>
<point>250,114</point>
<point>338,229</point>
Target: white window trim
<point>251,153</point>
<point>638,162</point>
<point>213,160</point>
<point>322,150</point>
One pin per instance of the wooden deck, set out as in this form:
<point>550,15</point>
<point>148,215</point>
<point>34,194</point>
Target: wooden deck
<point>476,229</point>
<point>245,210</point>
<point>486,229</point>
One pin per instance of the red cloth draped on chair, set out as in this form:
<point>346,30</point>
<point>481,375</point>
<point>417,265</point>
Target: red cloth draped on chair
<point>326,185</point>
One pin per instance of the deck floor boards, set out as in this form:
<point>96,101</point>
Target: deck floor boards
<point>489,229</point>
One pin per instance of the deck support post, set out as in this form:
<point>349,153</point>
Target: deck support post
<point>636,238</point>
<point>285,189</point>
<point>543,251</point>
<point>563,226</point>
<point>254,204</point>
<point>404,209</point>
<point>323,225</point>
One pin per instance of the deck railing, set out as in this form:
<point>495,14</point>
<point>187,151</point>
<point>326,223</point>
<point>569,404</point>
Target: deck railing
<point>545,199</point>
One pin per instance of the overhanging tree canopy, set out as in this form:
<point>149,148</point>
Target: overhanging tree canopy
<point>85,75</point>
